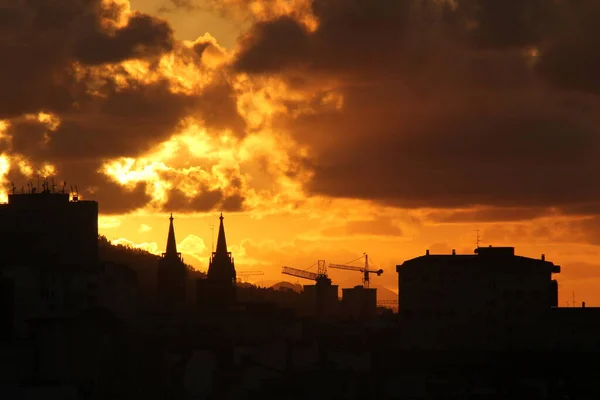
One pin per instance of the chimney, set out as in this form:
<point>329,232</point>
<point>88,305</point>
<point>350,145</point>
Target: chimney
<point>453,252</point>
<point>427,252</point>
<point>583,304</point>
<point>543,257</point>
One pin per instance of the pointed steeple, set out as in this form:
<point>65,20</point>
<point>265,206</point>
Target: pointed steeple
<point>221,242</point>
<point>171,250</point>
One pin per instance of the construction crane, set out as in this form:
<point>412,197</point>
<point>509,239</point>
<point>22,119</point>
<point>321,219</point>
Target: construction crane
<point>320,276</point>
<point>364,270</point>
<point>246,274</point>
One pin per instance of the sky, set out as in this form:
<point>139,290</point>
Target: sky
<point>322,129</point>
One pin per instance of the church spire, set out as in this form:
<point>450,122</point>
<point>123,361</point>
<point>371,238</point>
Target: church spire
<point>171,250</point>
<point>221,242</point>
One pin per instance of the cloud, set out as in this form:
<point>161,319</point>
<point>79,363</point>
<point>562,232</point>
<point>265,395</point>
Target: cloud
<point>65,59</point>
<point>374,227</point>
<point>186,5</point>
<point>145,228</point>
<point>194,246</point>
<point>437,104</point>
<point>44,42</point>
<point>150,247</point>
<point>445,104</point>
<point>579,271</point>
<point>488,215</point>
<point>563,231</point>
<point>97,93</point>
<point>105,222</point>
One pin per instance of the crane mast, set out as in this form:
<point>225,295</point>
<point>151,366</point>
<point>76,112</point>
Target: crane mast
<point>366,271</point>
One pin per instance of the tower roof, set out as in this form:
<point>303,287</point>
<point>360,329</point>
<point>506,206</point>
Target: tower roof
<point>171,250</point>
<point>221,268</point>
<point>221,241</point>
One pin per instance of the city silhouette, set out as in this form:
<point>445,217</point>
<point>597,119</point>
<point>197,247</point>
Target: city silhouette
<point>89,319</point>
<point>292,199</point>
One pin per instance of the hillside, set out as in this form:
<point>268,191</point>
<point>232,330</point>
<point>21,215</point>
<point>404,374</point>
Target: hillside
<point>144,264</point>
<point>283,285</point>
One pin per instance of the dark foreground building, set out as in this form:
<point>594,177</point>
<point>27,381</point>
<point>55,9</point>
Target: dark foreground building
<point>48,226</point>
<point>483,300</point>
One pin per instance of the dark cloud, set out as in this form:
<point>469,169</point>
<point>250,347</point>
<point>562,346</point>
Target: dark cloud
<point>484,103</point>
<point>180,201</point>
<point>501,24</point>
<point>44,39</point>
<point>273,46</point>
<point>218,109</point>
<point>143,37</point>
<point>489,215</point>
<point>570,58</point>
<point>122,122</point>
<point>559,231</point>
<point>113,198</point>
<point>579,271</point>
<point>62,57</point>
<point>483,152</point>
<point>204,198</point>
<point>82,176</point>
<point>373,227</point>
<point>205,201</point>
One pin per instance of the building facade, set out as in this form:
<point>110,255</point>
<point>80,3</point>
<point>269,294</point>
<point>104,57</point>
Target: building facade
<point>49,226</point>
<point>489,298</point>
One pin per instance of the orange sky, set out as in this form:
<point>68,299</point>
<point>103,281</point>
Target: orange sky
<point>321,133</point>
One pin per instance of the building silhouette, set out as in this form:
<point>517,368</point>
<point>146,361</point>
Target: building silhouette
<point>172,275</point>
<point>47,225</point>
<point>219,287</point>
<point>359,302</point>
<point>50,267</point>
<point>70,327</point>
<point>489,299</point>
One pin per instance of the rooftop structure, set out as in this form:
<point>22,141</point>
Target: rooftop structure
<point>52,225</point>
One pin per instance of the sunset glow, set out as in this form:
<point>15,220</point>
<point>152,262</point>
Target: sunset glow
<point>314,140</point>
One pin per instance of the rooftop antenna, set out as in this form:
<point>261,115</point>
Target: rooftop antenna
<point>64,188</point>
<point>477,240</point>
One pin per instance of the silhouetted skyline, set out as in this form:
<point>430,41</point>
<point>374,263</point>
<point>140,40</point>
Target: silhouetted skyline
<point>390,123</point>
<point>314,132</point>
